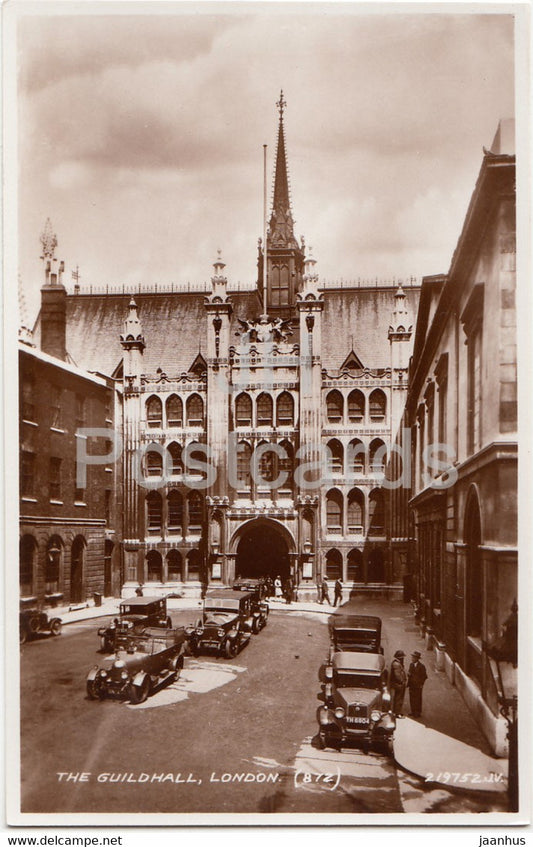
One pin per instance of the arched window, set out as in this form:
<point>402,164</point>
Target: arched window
<point>377,456</point>
<point>334,511</point>
<point>287,466</point>
<point>243,410</point>
<point>195,509</point>
<point>336,457</point>
<point>355,566</point>
<point>335,407</point>
<point>355,458</point>
<point>267,464</point>
<point>174,565</point>
<point>154,512</point>
<point>376,512</point>
<point>194,560</point>
<point>356,511</point>
<point>285,410</point>
<point>376,566</point>
<point>154,412</point>
<point>175,512</point>
<point>174,409</point>
<point>53,565</point>
<point>195,410</point>
<point>154,463</point>
<point>356,406</point>
<point>154,566</point>
<point>175,457</point>
<point>334,564</point>
<point>196,453</point>
<point>265,412</point>
<point>27,549</point>
<point>244,455</point>
<point>77,568</point>
<point>378,405</point>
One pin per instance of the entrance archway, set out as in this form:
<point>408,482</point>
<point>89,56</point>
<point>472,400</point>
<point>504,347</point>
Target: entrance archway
<point>262,550</point>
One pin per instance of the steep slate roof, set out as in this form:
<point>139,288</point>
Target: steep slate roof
<point>363,314</point>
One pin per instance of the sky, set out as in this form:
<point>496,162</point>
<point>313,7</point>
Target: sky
<point>141,136</point>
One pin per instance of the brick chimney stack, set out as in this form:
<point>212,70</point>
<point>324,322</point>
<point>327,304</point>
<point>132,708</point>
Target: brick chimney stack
<point>53,298</point>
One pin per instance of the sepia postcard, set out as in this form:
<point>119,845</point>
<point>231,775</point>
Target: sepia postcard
<point>267,332</point>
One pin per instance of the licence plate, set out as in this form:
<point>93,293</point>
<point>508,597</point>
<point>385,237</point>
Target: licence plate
<point>356,720</point>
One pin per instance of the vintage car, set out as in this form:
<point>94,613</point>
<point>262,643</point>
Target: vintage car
<point>226,623</point>
<point>143,664</point>
<point>359,633</point>
<point>136,614</point>
<point>357,704</point>
<point>260,607</point>
<point>33,621</point>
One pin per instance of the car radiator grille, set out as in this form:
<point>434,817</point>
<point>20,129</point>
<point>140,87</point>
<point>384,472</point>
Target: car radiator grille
<point>357,710</point>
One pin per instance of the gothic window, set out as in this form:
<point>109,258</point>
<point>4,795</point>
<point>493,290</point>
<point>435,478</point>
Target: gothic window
<point>333,564</point>
<point>378,405</point>
<point>243,410</point>
<point>196,454</point>
<point>54,478</point>
<point>356,456</point>
<point>356,505</point>
<point>377,455</point>
<point>267,466</point>
<point>194,560</point>
<point>28,549</point>
<point>195,507</point>
<point>287,465</point>
<point>244,455</point>
<point>175,458</point>
<point>154,463</point>
<point>154,566</point>
<point>175,512</point>
<point>355,566</point>
<point>264,410</point>
<point>154,512</point>
<point>336,457</point>
<point>279,293</point>
<point>174,409</point>
<point>285,410</point>
<point>334,406</point>
<point>174,563</point>
<point>27,473</point>
<point>195,410</point>
<point>376,566</point>
<point>376,509</point>
<point>154,412</point>
<point>356,406</point>
<point>334,511</point>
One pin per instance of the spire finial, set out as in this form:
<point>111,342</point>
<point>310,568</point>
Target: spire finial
<point>281,104</point>
<point>48,240</point>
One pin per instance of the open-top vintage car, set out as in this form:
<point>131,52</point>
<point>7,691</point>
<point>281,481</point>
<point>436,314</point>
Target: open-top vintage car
<point>260,607</point>
<point>355,633</point>
<point>143,664</point>
<point>226,624</point>
<point>136,614</point>
<point>357,703</point>
<point>33,621</point>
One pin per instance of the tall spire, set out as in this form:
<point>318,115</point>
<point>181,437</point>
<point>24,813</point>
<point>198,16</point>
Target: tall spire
<point>281,228</point>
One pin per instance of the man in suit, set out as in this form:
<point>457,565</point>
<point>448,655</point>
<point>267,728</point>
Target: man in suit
<point>416,678</point>
<point>397,682</point>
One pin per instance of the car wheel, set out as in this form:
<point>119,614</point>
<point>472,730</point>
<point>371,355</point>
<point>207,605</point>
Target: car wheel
<point>176,666</point>
<point>55,627</point>
<point>139,693</point>
<point>94,691</point>
<point>326,741</point>
<point>168,623</point>
<point>256,626</point>
<point>23,635</point>
<point>138,628</point>
<point>230,649</point>
<point>264,622</point>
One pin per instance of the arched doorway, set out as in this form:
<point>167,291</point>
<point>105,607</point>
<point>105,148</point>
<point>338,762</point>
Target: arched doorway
<point>76,569</point>
<point>262,550</point>
<point>108,569</point>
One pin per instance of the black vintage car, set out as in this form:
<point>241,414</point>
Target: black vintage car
<point>136,614</point>
<point>33,621</point>
<point>357,703</point>
<point>142,665</point>
<point>260,607</point>
<point>359,633</point>
<point>226,623</point>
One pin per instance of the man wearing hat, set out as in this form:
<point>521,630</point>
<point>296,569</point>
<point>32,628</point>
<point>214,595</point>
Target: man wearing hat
<point>415,682</point>
<point>398,682</point>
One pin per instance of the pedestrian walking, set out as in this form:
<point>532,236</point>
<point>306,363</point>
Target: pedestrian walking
<point>416,678</point>
<point>398,682</point>
<point>338,592</point>
<point>325,591</point>
<point>277,588</point>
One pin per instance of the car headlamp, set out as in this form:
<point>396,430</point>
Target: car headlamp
<point>199,630</point>
<point>103,674</point>
<point>118,663</point>
<point>339,712</point>
<point>124,675</point>
<point>375,715</point>
<point>220,633</point>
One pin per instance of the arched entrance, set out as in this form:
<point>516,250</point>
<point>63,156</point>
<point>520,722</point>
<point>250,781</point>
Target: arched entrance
<point>262,550</point>
<point>77,557</point>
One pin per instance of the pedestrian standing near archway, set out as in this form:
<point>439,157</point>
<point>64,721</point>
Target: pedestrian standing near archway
<point>338,592</point>
<point>415,682</point>
<point>325,591</point>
